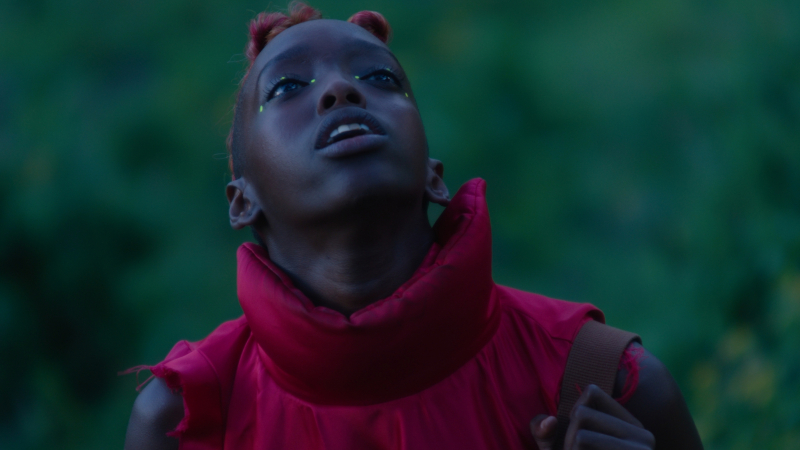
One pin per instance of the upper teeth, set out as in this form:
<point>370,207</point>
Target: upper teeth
<point>352,126</point>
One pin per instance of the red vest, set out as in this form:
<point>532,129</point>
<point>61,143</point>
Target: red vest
<point>450,361</point>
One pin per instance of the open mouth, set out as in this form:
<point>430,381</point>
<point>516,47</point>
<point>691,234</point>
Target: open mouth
<point>346,123</point>
<point>348,131</point>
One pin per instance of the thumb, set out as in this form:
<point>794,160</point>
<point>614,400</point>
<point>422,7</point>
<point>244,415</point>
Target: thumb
<point>543,428</point>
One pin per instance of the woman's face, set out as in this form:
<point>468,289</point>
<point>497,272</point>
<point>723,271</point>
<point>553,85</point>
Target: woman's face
<point>329,122</point>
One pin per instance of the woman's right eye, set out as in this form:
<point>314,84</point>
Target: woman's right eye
<point>284,87</point>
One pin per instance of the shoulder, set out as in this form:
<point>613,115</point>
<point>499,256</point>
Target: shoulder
<point>156,412</point>
<point>559,319</point>
<point>658,403</point>
<point>205,371</point>
<point>212,359</point>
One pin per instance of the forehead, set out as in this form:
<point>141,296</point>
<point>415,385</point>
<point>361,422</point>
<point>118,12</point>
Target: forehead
<point>318,37</point>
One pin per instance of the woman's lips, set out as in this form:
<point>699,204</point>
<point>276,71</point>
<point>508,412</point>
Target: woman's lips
<point>345,124</point>
<point>354,145</point>
<point>348,131</point>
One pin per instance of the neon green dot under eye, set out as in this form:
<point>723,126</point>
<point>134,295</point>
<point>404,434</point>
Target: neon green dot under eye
<point>356,77</point>
<point>406,94</point>
<point>313,80</point>
<point>283,78</point>
<point>261,109</point>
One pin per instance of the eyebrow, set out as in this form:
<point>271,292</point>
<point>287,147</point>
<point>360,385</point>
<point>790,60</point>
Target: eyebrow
<point>360,46</point>
<point>300,52</point>
<point>289,54</point>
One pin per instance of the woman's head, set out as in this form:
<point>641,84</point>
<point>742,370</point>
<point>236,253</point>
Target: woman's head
<point>325,120</point>
<point>268,25</point>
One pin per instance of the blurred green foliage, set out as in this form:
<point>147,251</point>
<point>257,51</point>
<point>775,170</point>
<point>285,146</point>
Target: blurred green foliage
<point>642,156</point>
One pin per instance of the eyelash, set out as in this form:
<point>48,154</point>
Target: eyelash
<point>281,81</point>
<point>269,93</point>
<point>384,70</point>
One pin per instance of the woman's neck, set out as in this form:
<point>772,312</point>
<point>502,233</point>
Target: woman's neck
<point>346,265</point>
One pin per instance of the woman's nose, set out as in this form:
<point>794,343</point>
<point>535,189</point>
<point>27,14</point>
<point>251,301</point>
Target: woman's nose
<point>340,93</point>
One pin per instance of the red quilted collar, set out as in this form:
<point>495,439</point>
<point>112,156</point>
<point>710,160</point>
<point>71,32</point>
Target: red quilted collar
<point>429,327</point>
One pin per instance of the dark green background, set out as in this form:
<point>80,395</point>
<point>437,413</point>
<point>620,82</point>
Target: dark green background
<point>642,156</point>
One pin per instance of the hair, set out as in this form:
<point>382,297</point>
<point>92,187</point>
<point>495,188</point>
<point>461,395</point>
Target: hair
<point>263,29</point>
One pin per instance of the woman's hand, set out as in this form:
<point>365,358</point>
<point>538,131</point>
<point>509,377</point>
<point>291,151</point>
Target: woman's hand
<point>597,422</point>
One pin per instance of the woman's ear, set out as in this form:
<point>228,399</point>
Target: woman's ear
<point>436,191</point>
<point>245,209</point>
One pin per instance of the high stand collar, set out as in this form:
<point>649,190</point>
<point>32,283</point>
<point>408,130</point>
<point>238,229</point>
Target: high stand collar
<point>428,328</point>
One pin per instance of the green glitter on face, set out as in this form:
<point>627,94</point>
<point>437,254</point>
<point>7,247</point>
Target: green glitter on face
<point>261,109</point>
<point>283,78</point>
<point>313,80</point>
<point>406,94</point>
<point>356,77</point>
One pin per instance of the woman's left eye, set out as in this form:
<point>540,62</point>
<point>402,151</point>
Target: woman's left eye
<point>383,76</point>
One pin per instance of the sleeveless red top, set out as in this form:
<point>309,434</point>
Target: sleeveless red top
<point>450,361</point>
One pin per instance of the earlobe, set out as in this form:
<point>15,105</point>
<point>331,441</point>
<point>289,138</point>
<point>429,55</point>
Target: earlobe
<point>436,191</point>
<point>244,209</point>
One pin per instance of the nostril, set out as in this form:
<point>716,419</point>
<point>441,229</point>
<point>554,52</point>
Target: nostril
<point>353,98</point>
<point>328,101</point>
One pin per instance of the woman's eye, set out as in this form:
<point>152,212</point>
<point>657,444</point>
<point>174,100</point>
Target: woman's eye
<point>383,76</point>
<point>284,87</point>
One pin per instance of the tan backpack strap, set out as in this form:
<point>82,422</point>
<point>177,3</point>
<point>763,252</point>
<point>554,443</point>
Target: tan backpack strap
<point>593,359</point>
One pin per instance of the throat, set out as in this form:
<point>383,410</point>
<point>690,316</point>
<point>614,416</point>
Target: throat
<point>346,272</point>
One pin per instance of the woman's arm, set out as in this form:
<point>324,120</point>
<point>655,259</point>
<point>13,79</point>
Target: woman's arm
<point>656,416</point>
<point>660,406</point>
<point>156,411</point>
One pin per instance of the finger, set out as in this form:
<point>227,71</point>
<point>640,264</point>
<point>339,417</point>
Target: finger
<point>543,428</point>
<point>592,440</point>
<point>594,397</point>
<point>588,419</point>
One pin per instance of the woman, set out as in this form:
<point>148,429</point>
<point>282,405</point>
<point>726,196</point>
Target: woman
<point>365,327</point>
